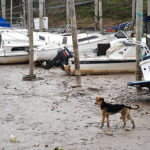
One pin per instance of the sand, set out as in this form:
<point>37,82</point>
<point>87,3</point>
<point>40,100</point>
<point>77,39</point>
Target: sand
<point>50,113</point>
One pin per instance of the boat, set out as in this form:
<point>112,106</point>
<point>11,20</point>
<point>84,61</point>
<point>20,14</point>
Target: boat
<point>120,57</point>
<point>86,42</point>
<point>145,67</point>
<point>102,65</point>
<point>145,58</point>
<point>14,44</point>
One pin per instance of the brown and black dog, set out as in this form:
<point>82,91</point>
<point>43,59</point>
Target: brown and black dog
<point>109,109</point>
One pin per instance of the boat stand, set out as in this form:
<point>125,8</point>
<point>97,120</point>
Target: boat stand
<point>140,83</point>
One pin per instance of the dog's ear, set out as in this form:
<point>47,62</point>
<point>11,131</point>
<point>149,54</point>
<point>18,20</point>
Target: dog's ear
<point>99,99</point>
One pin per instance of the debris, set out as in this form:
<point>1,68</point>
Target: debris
<point>13,139</point>
<point>108,133</point>
<point>57,148</point>
<point>36,145</point>
<point>93,89</point>
<point>46,145</point>
<point>127,130</point>
<point>76,86</point>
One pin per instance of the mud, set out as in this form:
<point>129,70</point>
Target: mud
<point>49,113</point>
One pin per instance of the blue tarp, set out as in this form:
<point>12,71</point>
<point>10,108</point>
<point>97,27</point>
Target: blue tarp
<point>120,26</point>
<point>147,18</point>
<point>126,24</point>
<point>4,23</point>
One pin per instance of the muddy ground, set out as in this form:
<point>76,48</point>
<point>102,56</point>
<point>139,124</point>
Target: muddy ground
<point>50,113</point>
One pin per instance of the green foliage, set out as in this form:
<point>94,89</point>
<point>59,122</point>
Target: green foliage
<point>84,11</point>
<point>113,9</point>
<point>117,9</point>
<point>120,9</point>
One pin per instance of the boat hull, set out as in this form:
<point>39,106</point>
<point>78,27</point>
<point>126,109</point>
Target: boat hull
<point>102,68</point>
<point>14,59</point>
<point>145,66</point>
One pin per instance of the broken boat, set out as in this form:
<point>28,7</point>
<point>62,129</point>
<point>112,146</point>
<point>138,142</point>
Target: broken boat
<point>118,56</point>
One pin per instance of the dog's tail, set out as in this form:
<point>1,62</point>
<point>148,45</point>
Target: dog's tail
<point>134,108</point>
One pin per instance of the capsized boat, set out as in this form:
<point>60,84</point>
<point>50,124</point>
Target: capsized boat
<point>119,58</point>
<point>86,41</point>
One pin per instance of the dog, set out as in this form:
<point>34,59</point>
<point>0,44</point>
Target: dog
<point>110,109</point>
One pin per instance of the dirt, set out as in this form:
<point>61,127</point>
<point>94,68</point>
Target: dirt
<point>49,113</point>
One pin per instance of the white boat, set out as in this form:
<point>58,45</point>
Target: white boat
<point>145,67</point>
<point>14,44</point>
<point>43,53</point>
<point>103,65</point>
<point>119,58</point>
<point>86,41</point>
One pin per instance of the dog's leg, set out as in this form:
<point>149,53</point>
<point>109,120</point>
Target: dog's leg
<point>124,120</point>
<point>103,118</point>
<point>132,121</point>
<point>107,120</point>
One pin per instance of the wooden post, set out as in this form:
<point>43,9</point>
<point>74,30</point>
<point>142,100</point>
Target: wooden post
<point>96,13</point>
<point>31,76</point>
<point>100,17</point>
<point>24,12</point>
<point>133,10</point>
<point>27,9</point>
<point>44,6</point>
<point>148,25</point>
<point>75,43</point>
<point>41,5</point>
<point>67,11</point>
<point>148,33</point>
<point>11,9</point>
<point>3,5</point>
<point>139,30</point>
<point>30,17</point>
<point>148,7</point>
